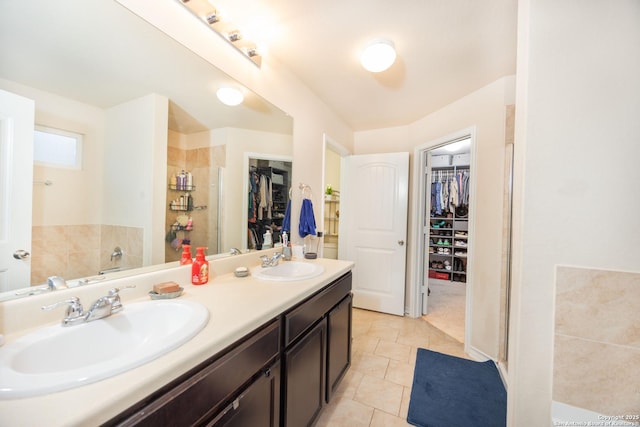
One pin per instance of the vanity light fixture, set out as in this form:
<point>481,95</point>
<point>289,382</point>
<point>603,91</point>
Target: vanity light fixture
<point>223,27</point>
<point>234,36</point>
<point>378,56</point>
<point>230,96</point>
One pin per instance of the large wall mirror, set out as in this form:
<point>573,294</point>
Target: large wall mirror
<point>146,109</point>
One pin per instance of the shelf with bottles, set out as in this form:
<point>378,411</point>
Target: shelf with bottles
<point>175,187</point>
<point>182,181</point>
<point>184,203</point>
<point>178,227</point>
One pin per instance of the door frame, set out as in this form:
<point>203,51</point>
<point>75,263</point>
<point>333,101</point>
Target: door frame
<point>328,142</point>
<point>416,250</point>
<point>245,184</point>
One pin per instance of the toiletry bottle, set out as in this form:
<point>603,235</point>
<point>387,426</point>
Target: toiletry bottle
<point>174,182</point>
<point>189,181</point>
<point>200,268</point>
<point>267,243</point>
<point>189,202</point>
<point>186,255</point>
<point>182,180</point>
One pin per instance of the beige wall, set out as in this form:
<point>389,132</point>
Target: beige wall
<point>135,155</point>
<point>596,357</point>
<point>239,142</point>
<point>576,159</point>
<point>82,250</point>
<point>76,195</point>
<point>485,110</point>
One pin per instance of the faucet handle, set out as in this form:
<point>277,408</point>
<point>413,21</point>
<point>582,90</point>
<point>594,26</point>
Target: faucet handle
<point>74,307</point>
<point>114,293</point>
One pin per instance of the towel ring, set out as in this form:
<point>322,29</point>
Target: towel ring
<point>308,194</point>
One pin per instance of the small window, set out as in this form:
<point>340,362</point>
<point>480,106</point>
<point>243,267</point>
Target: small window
<point>57,148</point>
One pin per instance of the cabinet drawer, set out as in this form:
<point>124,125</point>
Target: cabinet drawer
<point>301,318</point>
<point>207,390</point>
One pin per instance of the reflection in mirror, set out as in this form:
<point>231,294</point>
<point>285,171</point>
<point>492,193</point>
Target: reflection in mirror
<point>146,109</point>
<point>269,186</point>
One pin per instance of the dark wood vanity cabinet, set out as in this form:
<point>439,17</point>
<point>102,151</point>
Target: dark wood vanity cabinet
<point>204,394</point>
<point>339,344</point>
<point>317,352</point>
<point>280,375</point>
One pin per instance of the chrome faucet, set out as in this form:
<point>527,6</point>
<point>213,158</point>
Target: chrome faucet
<point>116,254</point>
<point>55,283</point>
<point>271,262</point>
<point>234,251</point>
<point>103,307</point>
<point>74,313</point>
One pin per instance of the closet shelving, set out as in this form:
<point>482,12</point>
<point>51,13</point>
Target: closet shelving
<point>331,214</point>
<point>279,183</point>
<point>448,236</point>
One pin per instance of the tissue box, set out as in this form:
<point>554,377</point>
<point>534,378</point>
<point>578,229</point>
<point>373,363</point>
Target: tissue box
<point>442,160</point>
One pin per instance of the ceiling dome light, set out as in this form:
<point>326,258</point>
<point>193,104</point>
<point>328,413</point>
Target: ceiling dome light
<point>230,96</point>
<point>378,56</point>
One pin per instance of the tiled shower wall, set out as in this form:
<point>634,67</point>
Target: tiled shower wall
<point>597,340</point>
<point>76,251</point>
<point>203,163</point>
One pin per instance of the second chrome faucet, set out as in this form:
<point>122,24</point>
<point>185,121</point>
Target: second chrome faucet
<point>103,307</point>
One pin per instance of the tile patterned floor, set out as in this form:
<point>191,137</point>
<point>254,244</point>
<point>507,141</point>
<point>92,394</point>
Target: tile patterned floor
<point>375,391</point>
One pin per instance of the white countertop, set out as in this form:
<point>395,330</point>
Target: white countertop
<point>236,306</point>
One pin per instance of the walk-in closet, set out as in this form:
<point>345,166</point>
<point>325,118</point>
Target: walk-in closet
<point>268,195</point>
<point>448,178</point>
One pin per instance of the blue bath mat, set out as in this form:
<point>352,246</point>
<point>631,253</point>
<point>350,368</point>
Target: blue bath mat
<point>449,391</point>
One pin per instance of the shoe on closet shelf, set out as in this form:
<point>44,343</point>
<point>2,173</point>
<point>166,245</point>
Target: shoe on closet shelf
<point>446,242</point>
<point>431,250</point>
<point>439,242</point>
<point>447,265</point>
<point>446,251</point>
<point>460,253</point>
<point>461,234</point>
<point>461,243</point>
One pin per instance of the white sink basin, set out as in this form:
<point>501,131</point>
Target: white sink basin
<point>288,271</point>
<point>56,358</point>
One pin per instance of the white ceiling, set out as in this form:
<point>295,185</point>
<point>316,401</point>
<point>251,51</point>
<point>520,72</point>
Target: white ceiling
<point>446,49</point>
<point>98,53</point>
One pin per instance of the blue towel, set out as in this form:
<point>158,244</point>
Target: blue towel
<point>286,222</point>
<point>307,220</point>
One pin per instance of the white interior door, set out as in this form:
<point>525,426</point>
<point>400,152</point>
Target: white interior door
<point>373,227</point>
<point>16,187</point>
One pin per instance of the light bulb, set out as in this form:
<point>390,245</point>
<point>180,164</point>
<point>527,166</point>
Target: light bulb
<point>230,96</point>
<point>378,56</point>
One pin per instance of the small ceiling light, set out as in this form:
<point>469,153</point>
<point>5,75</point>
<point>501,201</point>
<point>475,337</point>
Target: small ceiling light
<point>230,96</point>
<point>234,36</point>
<point>378,56</point>
<point>212,17</point>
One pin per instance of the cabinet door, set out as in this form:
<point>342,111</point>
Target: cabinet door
<point>256,406</point>
<point>207,389</point>
<point>339,344</point>
<point>305,377</point>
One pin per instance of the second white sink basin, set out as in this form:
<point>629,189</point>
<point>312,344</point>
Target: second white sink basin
<point>288,271</point>
<point>56,358</point>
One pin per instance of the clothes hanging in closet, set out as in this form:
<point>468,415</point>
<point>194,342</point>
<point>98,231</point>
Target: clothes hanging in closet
<point>260,197</point>
<point>449,190</point>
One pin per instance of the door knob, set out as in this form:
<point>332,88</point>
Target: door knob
<point>401,242</point>
<point>21,254</point>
